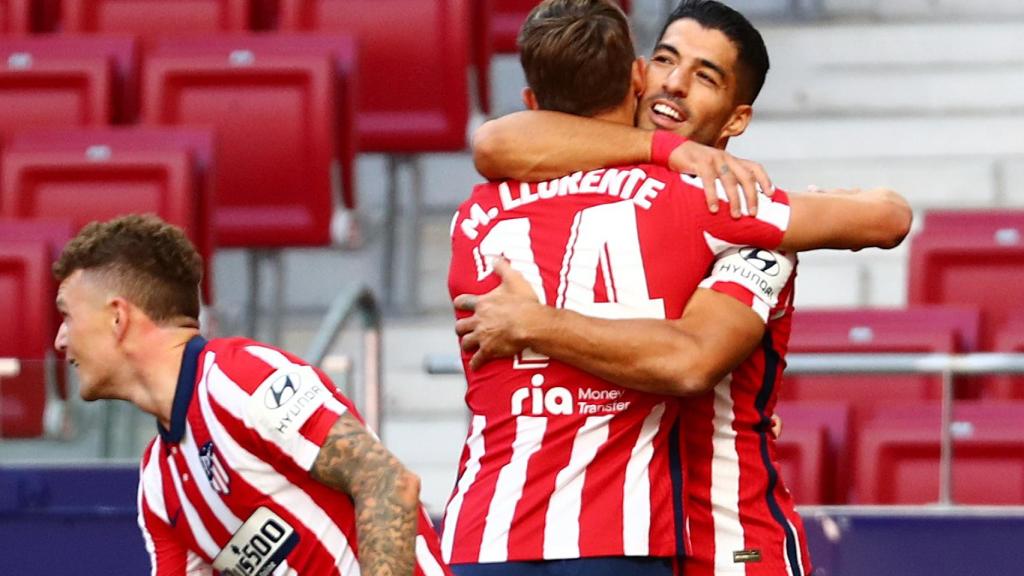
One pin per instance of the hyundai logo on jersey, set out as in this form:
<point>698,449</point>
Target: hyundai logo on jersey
<point>281,391</point>
<point>761,259</point>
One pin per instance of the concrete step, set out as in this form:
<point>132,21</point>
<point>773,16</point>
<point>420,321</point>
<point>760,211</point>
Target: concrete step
<point>431,448</point>
<point>936,182</point>
<point>923,10</point>
<point>887,69</point>
<point>848,138</point>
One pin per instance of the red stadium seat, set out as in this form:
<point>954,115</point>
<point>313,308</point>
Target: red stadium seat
<point>152,19</point>
<point>51,91</point>
<point>406,104</point>
<point>813,451</point>
<point>120,51</point>
<point>898,454</point>
<point>933,329</point>
<point>265,14</point>
<point>483,50</point>
<point>1010,338</point>
<point>43,179</point>
<point>26,303</point>
<point>508,17</point>
<point>15,17</point>
<point>971,221</point>
<point>274,118</point>
<point>973,267</point>
<point>54,234</point>
<point>340,48</point>
<point>198,143</point>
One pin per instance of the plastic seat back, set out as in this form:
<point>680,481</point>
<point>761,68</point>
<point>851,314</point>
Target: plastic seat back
<point>274,119</point>
<point>899,450</point>
<point>121,51</point>
<point>413,84</point>
<point>26,304</point>
<point>152,19</point>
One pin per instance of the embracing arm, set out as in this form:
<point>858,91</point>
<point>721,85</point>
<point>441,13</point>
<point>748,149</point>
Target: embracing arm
<point>847,219</point>
<point>538,145</point>
<point>385,493</point>
<point>678,357</point>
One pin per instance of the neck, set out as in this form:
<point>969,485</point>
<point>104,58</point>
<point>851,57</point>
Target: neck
<point>623,114</point>
<point>156,364</point>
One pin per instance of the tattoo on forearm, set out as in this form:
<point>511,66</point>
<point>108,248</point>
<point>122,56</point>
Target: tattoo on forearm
<point>386,496</point>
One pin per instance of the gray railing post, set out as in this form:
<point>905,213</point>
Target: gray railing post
<point>946,443</point>
<point>346,305</point>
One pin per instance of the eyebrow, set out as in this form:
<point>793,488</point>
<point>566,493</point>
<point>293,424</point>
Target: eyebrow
<point>667,48</point>
<point>709,64</point>
<point>704,62</point>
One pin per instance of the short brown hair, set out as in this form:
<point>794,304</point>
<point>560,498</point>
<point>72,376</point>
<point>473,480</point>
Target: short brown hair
<point>150,262</point>
<point>577,55</point>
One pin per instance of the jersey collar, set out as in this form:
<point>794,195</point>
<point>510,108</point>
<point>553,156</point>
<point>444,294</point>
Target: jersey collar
<point>183,393</point>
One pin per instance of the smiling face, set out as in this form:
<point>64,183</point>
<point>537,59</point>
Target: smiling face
<point>691,85</point>
<point>87,333</point>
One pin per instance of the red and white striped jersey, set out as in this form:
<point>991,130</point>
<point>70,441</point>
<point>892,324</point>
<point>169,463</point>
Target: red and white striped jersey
<point>559,464</point>
<point>742,520</point>
<point>227,489</point>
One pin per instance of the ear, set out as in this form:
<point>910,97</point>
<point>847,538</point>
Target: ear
<point>637,79</point>
<point>737,123</point>
<point>530,99</point>
<point>120,316</point>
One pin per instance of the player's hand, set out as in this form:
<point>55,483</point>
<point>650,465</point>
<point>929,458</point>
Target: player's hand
<point>738,176</point>
<point>496,328</point>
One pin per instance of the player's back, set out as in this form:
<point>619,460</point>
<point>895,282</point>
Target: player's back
<point>558,463</point>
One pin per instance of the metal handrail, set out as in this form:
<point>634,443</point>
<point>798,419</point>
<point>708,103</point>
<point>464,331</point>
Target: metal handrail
<point>346,305</point>
<point>947,365</point>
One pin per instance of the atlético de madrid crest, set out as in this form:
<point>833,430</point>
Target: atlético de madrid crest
<point>216,473</point>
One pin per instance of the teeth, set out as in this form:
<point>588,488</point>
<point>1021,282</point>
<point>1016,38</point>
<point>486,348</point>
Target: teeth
<point>666,110</point>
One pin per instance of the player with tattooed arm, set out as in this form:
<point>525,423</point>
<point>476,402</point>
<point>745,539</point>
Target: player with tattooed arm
<point>260,465</point>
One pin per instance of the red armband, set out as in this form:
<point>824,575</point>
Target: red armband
<point>662,144</point>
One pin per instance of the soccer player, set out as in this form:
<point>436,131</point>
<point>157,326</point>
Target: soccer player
<point>260,465</point>
<point>561,470</point>
<point>704,76</point>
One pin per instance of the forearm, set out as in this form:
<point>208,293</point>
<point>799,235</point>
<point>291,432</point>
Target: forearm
<point>539,145</point>
<point>847,220</point>
<point>387,516</point>
<point>385,495</point>
<point>641,354</point>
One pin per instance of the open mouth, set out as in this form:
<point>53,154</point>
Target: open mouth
<point>666,115</point>
<point>667,111</point>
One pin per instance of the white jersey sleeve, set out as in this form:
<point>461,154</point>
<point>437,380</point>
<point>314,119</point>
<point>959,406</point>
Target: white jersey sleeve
<point>752,275</point>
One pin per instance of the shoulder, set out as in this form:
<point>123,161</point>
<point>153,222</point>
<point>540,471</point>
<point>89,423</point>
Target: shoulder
<point>246,362</point>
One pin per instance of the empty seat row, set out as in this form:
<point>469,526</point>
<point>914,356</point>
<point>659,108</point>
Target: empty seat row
<point>27,293</point>
<point>972,258</point>
<point>894,457</point>
<point>418,47</point>
<point>53,183</point>
<point>273,105</point>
